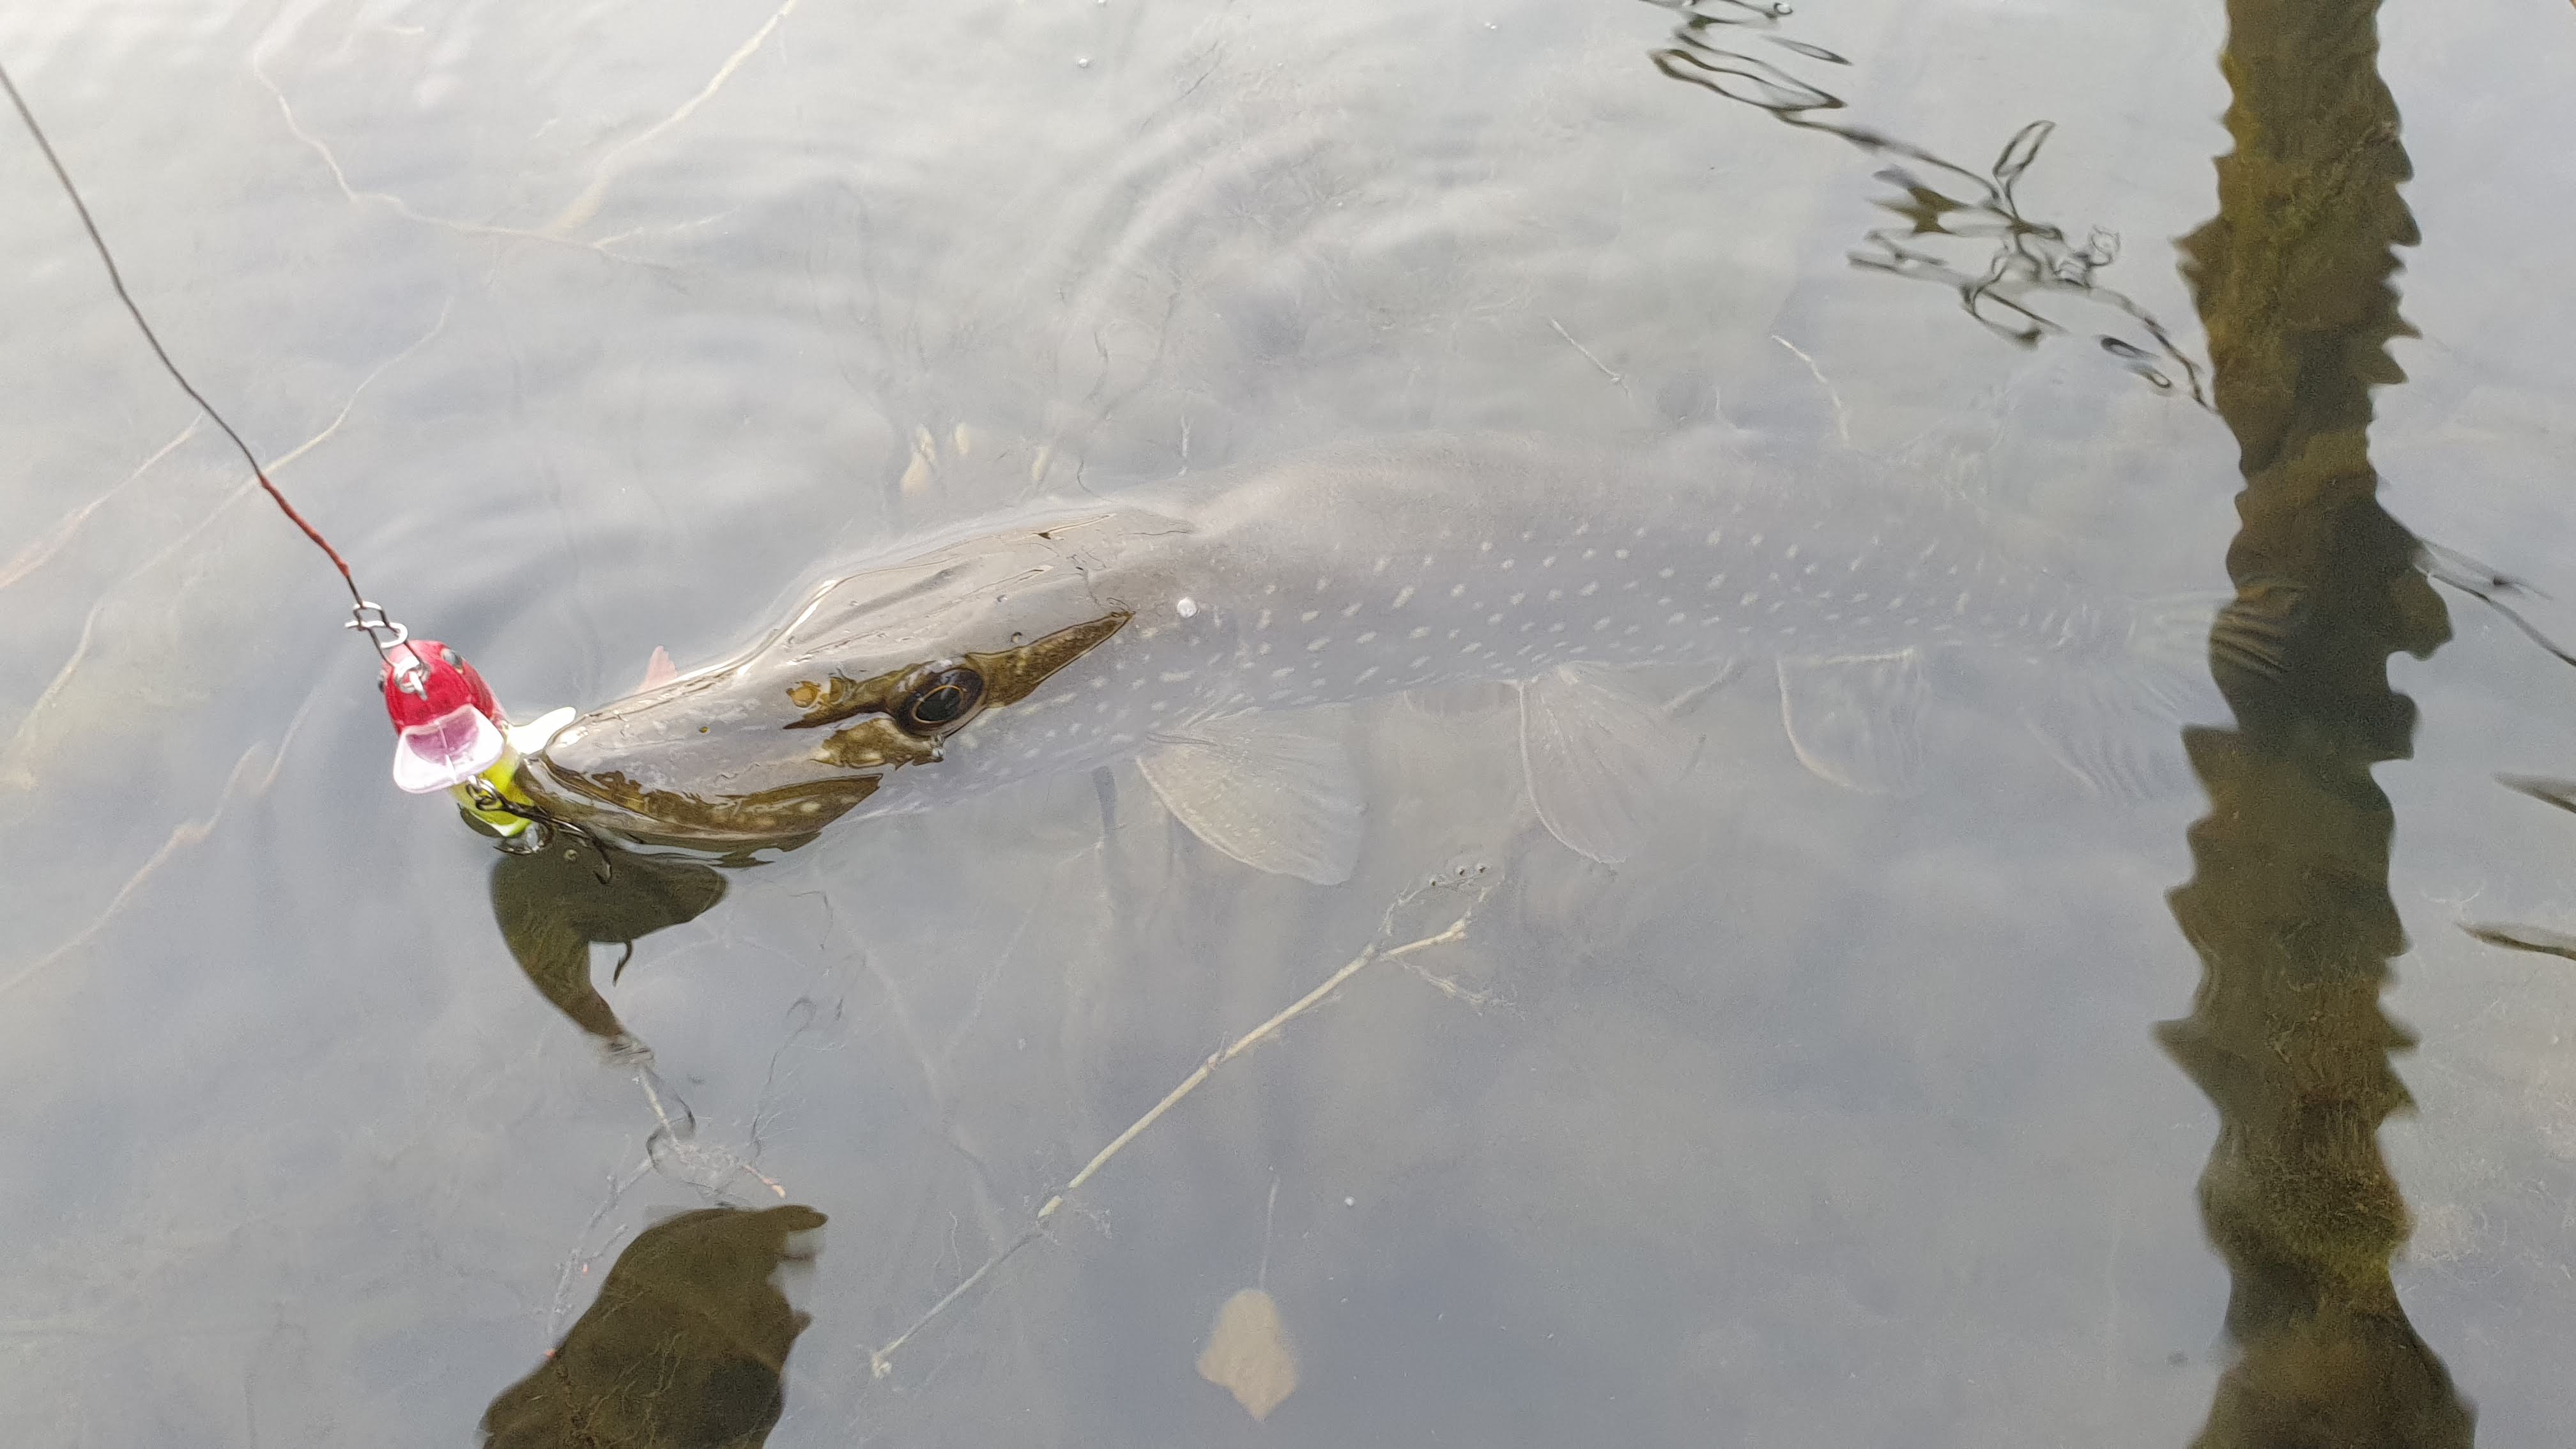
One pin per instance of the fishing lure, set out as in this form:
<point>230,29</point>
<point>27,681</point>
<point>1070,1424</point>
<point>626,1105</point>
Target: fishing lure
<point>449,733</point>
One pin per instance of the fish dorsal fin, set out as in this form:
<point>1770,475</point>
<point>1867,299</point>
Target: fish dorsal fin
<point>1852,719</point>
<point>1276,791</point>
<point>1599,756</point>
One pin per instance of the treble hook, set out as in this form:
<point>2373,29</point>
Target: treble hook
<point>541,827</point>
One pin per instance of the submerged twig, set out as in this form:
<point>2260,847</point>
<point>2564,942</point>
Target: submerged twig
<point>2450,566</point>
<point>880,1361</point>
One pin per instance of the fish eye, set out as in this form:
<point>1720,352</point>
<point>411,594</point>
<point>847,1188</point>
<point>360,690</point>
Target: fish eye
<point>941,700</point>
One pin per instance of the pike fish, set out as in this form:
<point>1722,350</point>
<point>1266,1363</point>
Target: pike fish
<point>1205,628</point>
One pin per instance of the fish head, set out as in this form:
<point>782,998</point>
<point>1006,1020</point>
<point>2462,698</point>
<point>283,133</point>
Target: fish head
<point>876,672</point>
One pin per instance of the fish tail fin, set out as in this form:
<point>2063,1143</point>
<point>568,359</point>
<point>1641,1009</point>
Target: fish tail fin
<point>2114,721</point>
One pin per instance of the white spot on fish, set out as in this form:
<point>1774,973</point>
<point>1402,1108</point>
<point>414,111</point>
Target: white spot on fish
<point>1364,638</point>
<point>1319,643</point>
<point>1715,537</point>
<point>1186,607</point>
<point>1380,566</point>
<point>1353,609</point>
<point>1421,632</point>
<point>1402,596</point>
<point>1457,590</point>
<point>1623,553</point>
<point>1310,616</point>
<point>1588,590</point>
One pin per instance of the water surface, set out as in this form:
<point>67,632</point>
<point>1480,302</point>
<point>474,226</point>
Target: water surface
<point>1837,1119</point>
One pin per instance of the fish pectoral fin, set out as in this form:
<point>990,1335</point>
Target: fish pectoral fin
<point>1852,719</point>
<point>1278,792</point>
<point>658,670</point>
<point>1599,756</point>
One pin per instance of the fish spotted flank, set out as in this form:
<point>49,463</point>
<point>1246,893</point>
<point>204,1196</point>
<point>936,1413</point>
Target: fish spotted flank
<point>1203,630</point>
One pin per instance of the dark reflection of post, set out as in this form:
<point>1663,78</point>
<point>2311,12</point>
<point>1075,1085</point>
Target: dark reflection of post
<point>2289,906</point>
<point>685,1349</point>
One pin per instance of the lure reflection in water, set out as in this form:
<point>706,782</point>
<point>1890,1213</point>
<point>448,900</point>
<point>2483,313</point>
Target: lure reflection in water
<point>1206,630</point>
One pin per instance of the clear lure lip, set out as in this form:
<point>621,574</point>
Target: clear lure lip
<point>449,750</point>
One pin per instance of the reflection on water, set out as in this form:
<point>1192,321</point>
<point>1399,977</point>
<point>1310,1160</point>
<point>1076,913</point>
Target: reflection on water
<point>686,1347</point>
<point>2289,906</point>
<point>1964,229</point>
<point>2541,940</point>
<point>554,904</point>
<point>1806,1128</point>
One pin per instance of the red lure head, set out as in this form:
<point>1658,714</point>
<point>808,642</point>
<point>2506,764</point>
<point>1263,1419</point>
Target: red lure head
<point>447,682</point>
<point>447,726</point>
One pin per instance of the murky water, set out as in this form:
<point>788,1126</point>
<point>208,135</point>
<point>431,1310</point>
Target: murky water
<point>2001,1113</point>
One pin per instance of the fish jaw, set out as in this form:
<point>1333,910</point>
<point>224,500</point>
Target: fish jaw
<point>610,802</point>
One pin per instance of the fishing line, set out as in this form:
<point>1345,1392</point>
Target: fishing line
<point>366,617</point>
